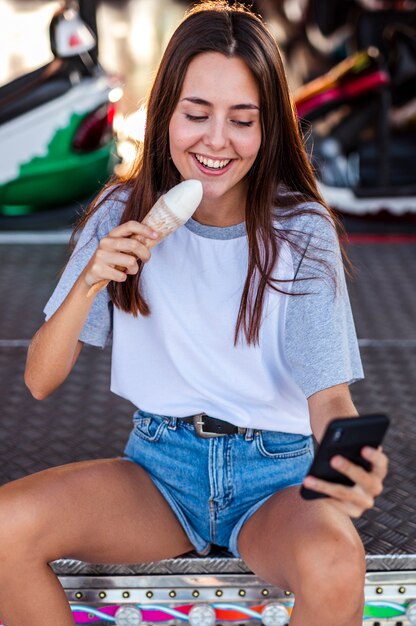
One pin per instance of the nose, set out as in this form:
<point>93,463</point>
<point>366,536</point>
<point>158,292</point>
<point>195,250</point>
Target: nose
<point>216,135</point>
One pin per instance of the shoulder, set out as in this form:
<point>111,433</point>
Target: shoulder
<point>304,218</point>
<point>308,229</point>
<point>110,207</point>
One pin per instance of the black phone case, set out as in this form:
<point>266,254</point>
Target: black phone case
<point>347,437</point>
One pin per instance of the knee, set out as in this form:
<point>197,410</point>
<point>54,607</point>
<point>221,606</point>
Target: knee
<point>331,567</point>
<point>20,523</point>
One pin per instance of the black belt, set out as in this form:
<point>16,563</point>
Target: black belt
<point>206,426</point>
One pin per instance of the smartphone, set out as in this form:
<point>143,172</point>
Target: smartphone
<point>347,437</point>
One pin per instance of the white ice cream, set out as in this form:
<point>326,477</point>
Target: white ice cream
<point>183,199</point>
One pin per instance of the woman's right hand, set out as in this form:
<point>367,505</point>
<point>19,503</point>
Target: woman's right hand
<point>121,248</point>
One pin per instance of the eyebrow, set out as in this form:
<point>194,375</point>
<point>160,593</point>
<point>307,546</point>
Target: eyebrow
<point>239,107</point>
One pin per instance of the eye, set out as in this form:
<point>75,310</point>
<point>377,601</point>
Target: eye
<point>195,118</point>
<point>239,123</point>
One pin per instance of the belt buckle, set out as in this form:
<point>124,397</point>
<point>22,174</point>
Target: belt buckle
<point>198,421</point>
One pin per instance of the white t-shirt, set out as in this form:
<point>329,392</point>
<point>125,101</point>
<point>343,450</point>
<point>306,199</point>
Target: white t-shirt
<point>181,359</point>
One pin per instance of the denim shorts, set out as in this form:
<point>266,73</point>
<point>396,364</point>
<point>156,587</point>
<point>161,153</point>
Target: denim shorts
<point>214,485</point>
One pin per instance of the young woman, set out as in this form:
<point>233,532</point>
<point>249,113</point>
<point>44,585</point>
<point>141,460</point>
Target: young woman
<point>233,337</point>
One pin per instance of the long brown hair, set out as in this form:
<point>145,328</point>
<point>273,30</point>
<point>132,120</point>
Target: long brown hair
<point>215,26</point>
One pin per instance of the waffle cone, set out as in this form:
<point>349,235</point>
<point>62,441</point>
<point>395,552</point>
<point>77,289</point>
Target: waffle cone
<point>163,220</point>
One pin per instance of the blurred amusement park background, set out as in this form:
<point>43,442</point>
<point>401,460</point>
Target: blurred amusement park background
<point>74,77</point>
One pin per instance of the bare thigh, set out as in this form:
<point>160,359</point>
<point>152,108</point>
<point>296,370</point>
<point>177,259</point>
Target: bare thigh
<point>294,543</point>
<point>105,511</point>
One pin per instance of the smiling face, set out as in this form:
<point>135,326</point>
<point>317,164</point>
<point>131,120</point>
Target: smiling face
<point>215,134</point>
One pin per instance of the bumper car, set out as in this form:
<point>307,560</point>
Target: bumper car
<point>56,129</point>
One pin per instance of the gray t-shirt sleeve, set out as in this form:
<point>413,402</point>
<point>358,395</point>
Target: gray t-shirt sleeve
<point>320,339</point>
<point>98,326</point>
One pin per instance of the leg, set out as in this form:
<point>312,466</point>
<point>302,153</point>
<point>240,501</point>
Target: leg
<point>105,511</point>
<point>314,551</point>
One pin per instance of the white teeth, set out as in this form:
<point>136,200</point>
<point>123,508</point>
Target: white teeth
<point>216,165</point>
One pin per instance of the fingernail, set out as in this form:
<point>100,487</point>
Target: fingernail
<point>309,481</point>
<point>336,461</point>
<point>155,235</point>
<point>369,453</point>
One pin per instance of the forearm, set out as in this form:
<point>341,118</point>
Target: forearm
<point>56,346</point>
<point>327,405</point>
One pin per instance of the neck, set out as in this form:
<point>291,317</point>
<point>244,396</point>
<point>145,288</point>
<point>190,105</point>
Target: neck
<point>208,218</point>
<point>212,212</point>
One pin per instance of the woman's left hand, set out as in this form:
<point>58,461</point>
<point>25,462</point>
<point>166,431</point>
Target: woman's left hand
<point>368,485</point>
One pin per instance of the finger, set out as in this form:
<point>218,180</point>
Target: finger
<point>354,472</point>
<point>352,496</point>
<point>378,460</point>
<point>103,272</point>
<point>127,262</point>
<point>103,269</point>
<point>120,244</point>
<point>136,248</point>
<point>131,228</point>
<point>369,482</point>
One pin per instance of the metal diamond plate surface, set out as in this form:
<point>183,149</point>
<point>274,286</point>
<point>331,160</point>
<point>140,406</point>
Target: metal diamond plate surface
<point>27,277</point>
<point>382,290</point>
